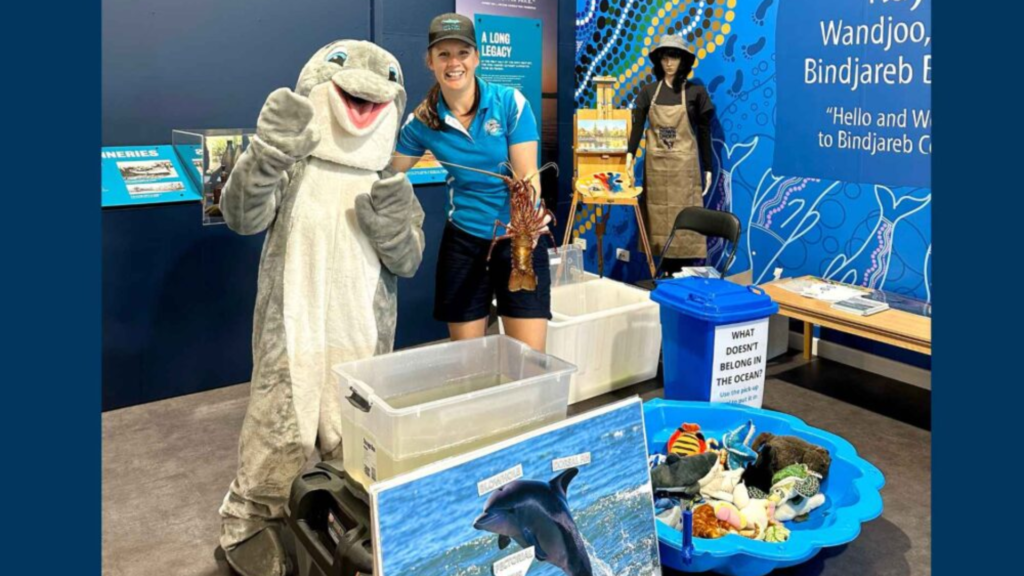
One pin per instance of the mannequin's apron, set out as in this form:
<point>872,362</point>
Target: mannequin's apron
<point>671,179</point>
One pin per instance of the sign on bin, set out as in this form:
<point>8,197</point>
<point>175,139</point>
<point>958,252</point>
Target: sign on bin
<point>737,375</point>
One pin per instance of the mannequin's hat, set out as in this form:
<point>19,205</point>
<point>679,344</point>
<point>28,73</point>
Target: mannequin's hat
<point>670,41</point>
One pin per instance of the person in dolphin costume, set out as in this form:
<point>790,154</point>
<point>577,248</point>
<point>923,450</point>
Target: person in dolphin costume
<point>338,235</point>
<point>537,514</point>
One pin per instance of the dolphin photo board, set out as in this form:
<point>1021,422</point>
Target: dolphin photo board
<point>573,498</point>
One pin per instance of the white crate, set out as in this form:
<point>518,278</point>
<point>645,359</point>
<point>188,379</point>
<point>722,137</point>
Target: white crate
<point>426,404</point>
<point>611,331</point>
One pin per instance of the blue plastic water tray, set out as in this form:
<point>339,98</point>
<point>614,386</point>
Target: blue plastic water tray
<point>851,492</point>
<point>713,299</point>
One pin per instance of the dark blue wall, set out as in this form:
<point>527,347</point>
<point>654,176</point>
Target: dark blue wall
<point>177,304</point>
<point>203,64</point>
<point>178,296</point>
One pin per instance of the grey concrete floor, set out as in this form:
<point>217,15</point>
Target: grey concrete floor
<point>167,465</point>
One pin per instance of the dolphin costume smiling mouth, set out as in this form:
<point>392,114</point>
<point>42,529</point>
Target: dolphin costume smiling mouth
<point>537,514</point>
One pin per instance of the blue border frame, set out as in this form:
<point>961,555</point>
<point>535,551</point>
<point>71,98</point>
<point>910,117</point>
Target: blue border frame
<point>51,290</point>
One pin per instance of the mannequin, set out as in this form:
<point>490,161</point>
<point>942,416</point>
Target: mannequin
<point>677,115</point>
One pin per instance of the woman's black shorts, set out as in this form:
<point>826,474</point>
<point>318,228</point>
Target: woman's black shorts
<point>466,282</point>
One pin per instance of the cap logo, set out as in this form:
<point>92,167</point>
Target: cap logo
<point>451,24</point>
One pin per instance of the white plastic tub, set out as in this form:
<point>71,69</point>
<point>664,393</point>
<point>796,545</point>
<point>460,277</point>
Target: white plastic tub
<point>414,407</point>
<point>611,331</point>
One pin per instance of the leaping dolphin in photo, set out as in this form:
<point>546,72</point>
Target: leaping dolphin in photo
<point>537,514</point>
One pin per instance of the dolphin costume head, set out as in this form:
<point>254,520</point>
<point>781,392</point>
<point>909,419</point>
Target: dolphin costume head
<point>358,91</point>
<point>537,514</point>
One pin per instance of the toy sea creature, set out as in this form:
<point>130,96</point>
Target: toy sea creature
<point>722,484</point>
<point>776,533</point>
<point>798,509</point>
<point>706,523</point>
<point>806,483</point>
<point>687,441</point>
<point>737,445</point>
<point>795,491</point>
<point>682,475</point>
<point>534,513</point>
<point>777,452</point>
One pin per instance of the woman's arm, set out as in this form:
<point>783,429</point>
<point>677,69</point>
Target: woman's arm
<point>402,163</point>
<point>523,157</point>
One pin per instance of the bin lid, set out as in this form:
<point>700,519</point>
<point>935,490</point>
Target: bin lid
<point>714,299</point>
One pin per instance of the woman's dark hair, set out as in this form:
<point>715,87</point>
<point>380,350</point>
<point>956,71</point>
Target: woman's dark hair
<point>426,111</point>
<point>686,61</point>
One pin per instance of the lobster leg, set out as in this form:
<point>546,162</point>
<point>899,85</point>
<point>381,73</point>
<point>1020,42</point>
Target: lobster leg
<point>496,238</point>
<point>495,241</point>
<point>547,212</point>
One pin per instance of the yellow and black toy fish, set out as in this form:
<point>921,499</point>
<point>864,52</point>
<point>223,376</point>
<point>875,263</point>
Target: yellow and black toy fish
<point>687,441</point>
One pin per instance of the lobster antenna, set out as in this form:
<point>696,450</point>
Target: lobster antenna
<point>508,164</point>
<point>502,176</point>
<point>545,167</point>
<point>505,164</point>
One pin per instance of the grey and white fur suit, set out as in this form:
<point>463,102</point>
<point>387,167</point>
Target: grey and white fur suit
<point>337,237</point>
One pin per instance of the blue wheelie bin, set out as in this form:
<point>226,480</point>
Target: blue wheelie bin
<point>695,314</point>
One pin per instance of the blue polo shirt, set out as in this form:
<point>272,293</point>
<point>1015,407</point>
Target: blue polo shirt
<point>503,118</point>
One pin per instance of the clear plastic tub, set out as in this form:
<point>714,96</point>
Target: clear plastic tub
<point>418,406</point>
<point>567,266</point>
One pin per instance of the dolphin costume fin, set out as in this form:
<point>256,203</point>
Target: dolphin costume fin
<point>503,541</point>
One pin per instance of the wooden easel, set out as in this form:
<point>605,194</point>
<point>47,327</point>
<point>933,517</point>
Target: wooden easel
<point>587,163</point>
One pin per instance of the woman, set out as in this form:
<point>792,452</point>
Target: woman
<point>678,150</point>
<point>469,122</point>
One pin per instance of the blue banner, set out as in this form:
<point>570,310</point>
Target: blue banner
<point>510,55</point>
<point>854,91</point>
<point>139,175</point>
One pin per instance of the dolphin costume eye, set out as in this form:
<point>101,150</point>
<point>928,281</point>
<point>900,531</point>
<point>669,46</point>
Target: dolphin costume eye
<point>393,73</point>
<point>338,57</point>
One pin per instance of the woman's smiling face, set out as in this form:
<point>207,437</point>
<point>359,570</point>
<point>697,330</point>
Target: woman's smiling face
<point>454,63</point>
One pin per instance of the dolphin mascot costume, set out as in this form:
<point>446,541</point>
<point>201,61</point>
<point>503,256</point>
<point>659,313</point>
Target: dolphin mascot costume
<point>337,237</point>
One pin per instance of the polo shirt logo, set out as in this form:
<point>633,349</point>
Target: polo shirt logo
<point>493,128</point>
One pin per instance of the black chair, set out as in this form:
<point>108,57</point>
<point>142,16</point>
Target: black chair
<point>711,223</point>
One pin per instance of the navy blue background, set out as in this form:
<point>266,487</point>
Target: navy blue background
<point>975,376</point>
<point>177,296</point>
<point>52,338</point>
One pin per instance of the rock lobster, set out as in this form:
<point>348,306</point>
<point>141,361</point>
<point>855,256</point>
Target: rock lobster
<point>526,224</point>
